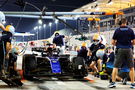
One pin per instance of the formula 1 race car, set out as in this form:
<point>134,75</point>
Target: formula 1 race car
<point>51,63</point>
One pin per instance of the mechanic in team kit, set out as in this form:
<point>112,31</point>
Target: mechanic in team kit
<point>3,42</point>
<point>123,71</point>
<point>123,74</point>
<point>7,57</point>
<point>12,66</point>
<point>58,40</point>
<point>123,39</point>
<point>6,44</point>
<point>110,61</point>
<point>83,51</point>
<point>96,45</point>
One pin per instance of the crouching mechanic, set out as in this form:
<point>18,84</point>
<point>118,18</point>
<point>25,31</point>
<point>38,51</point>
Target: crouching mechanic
<point>12,67</point>
<point>83,52</point>
<point>123,74</point>
<point>96,57</point>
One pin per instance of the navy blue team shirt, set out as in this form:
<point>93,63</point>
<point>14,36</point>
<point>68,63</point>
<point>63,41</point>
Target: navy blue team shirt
<point>93,48</point>
<point>6,36</point>
<point>58,40</point>
<point>83,52</point>
<point>124,35</point>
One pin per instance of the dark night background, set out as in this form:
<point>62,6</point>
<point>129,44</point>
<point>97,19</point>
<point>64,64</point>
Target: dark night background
<point>27,25</point>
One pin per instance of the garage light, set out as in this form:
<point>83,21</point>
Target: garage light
<point>35,28</point>
<point>39,27</point>
<point>50,24</point>
<point>56,21</point>
<point>44,25</point>
<point>40,21</point>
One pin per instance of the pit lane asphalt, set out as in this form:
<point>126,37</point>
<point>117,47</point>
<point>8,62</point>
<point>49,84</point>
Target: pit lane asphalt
<point>90,83</point>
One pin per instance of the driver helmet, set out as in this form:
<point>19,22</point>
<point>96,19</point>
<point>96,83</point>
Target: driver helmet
<point>2,18</point>
<point>96,39</point>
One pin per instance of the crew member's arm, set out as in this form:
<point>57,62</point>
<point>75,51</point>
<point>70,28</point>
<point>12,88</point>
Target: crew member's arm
<point>66,38</point>
<point>133,38</point>
<point>2,27</point>
<point>54,41</point>
<point>63,36</point>
<point>8,47</point>
<point>108,60</point>
<point>133,42</point>
<point>15,66</point>
<point>114,42</point>
<point>89,53</point>
<point>54,45</point>
<point>114,38</point>
<point>98,28</point>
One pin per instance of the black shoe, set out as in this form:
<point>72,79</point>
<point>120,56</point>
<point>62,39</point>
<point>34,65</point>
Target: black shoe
<point>97,75</point>
<point>132,85</point>
<point>110,81</point>
<point>124,81</point>
<point>112,85</point>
